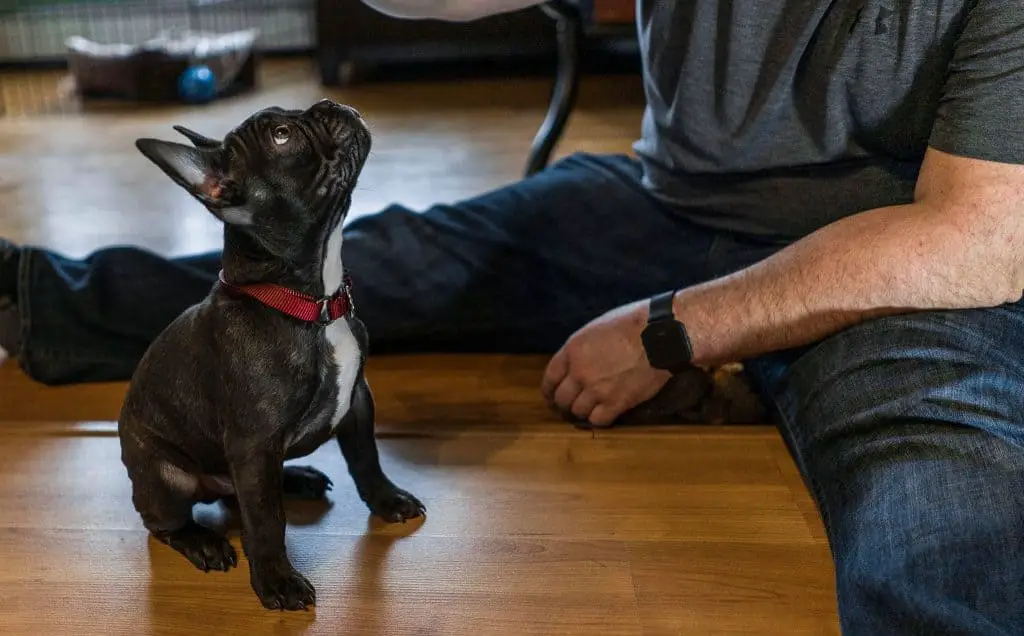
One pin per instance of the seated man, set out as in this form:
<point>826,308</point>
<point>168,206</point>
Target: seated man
<point>830,192</point>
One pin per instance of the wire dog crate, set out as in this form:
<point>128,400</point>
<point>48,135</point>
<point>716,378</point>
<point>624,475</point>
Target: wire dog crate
<point>41,39</point>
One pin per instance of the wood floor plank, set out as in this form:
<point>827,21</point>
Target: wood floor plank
<point>373,584</point>
<point>733,588</point>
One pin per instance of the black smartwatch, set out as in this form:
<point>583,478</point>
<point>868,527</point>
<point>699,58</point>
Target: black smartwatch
<point>664,338</point>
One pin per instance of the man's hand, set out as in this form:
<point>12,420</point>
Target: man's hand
<point>602,371</point>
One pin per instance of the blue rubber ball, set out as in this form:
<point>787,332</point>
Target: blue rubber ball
<point>197,84</point>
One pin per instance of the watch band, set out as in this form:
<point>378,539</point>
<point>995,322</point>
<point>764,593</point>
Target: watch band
<point>660,307</point>
<point>666,347</point>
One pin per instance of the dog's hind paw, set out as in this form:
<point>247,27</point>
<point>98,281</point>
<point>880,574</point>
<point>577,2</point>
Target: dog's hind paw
<point>204,548</point>
<point>394,504</point>
<point>305,482</point>
<point>281,586</point>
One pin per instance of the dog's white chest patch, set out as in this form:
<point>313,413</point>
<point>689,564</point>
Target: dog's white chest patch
<point>342,343</point>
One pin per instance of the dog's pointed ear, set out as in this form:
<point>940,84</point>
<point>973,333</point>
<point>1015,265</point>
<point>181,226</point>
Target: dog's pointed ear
<point>196,171</point>
<point>186,166</point>
<point>198,140</point>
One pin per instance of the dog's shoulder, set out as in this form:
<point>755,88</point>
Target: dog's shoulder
<point>181,342</point>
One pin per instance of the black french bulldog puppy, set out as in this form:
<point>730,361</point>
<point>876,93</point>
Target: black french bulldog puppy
<point>269,366</point>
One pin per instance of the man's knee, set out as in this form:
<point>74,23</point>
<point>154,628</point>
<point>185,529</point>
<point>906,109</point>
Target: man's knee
<point>911,433</point>
<point>879,382</point>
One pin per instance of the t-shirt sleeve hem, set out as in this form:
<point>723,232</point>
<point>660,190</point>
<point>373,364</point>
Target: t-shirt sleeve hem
<point>978,144</point>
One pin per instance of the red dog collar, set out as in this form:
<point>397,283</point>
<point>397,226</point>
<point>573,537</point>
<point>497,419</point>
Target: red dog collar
<point>322,311</point>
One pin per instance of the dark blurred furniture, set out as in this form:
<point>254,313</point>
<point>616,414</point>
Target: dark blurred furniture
<point>350,33</point>
<point>574,21</point>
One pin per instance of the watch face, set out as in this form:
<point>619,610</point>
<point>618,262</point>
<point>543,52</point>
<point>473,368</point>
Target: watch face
<point>665,345</point>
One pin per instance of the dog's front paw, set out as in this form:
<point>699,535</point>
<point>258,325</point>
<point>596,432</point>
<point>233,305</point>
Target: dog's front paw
<point>305,482</point>
<point>203,547</point>
<point>393,504</point>
<point>278,585</point>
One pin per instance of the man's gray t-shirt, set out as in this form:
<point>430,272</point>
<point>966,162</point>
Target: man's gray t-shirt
<point>777,117</point>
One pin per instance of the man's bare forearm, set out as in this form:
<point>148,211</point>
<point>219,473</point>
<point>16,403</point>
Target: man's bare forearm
<point>881,262</point>
<point>448,10</point>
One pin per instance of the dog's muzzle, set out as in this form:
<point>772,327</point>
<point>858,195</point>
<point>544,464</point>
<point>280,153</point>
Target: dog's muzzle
<point>327,109</point>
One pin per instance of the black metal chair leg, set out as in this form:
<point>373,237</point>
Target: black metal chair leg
<point>569,25</point>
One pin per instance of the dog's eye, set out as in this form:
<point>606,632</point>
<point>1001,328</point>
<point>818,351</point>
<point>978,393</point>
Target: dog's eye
<point>280,135</point>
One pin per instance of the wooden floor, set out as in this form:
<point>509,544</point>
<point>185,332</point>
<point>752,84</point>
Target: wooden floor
<point>533,527</point>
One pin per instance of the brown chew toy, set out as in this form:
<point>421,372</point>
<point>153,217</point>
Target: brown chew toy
<point>719,395</point>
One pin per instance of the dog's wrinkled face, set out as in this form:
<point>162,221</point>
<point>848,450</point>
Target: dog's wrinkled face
<point>285,177</point>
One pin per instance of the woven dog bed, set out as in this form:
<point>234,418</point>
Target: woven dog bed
<point>150,71</point>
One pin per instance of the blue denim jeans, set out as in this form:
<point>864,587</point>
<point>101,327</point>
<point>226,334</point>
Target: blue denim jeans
<point>908,430</point>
